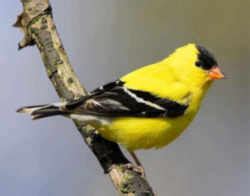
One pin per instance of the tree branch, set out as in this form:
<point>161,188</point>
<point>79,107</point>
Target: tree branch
<point>39,29</point>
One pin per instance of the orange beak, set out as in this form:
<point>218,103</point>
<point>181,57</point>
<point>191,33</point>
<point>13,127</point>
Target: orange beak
<point>215,73</point>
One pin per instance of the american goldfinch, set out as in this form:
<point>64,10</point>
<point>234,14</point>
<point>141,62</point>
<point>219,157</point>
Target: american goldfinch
<point>147,108</point>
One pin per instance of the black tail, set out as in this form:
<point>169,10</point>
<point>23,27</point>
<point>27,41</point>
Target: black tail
<point>43,111</point>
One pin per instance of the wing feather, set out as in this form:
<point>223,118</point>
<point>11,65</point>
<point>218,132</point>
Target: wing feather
<point>114,99</point>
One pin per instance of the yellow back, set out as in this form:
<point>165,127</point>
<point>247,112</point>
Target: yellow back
<point>175,77</point>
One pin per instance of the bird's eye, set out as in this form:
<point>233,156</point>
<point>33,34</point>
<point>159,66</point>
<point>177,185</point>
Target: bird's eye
<point>198,63</point>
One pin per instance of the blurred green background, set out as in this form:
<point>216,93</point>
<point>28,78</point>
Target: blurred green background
<point>104,40</point>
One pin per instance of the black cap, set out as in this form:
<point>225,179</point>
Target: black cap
<point>206,59</point>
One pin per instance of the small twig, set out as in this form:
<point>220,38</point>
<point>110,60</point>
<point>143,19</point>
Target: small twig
<point>39,29</point>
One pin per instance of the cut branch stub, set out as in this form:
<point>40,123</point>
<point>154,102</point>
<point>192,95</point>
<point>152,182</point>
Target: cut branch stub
<point>31,12</point>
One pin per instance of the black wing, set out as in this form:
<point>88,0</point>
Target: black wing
<point>114,99</point>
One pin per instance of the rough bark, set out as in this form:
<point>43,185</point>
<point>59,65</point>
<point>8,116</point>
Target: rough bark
<point>39,29</point>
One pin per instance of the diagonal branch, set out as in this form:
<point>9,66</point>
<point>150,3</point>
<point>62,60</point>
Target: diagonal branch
<point>39,29</point>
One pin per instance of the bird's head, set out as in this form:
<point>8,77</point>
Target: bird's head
<point>195,65</point>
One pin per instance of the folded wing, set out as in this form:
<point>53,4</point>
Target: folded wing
<point>114,99</point>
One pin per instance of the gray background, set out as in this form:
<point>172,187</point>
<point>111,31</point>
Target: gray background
<point>104,40</point>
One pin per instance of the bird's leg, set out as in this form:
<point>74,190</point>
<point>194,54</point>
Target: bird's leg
<point>135,158</point>
<point>139,167</point>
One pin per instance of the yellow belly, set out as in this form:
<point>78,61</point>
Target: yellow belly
<point>143,133</point>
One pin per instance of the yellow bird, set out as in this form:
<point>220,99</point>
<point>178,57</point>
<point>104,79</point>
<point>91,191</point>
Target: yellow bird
<point>149,107</point>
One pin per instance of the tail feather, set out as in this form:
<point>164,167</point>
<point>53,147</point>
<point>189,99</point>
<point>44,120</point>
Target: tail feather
<point>43,111</point>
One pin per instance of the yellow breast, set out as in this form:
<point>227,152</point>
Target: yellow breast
<point>143,133</point>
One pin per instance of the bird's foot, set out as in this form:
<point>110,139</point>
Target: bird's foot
<point>136,168</point>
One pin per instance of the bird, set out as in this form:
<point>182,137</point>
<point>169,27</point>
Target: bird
<point>148,107</point>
